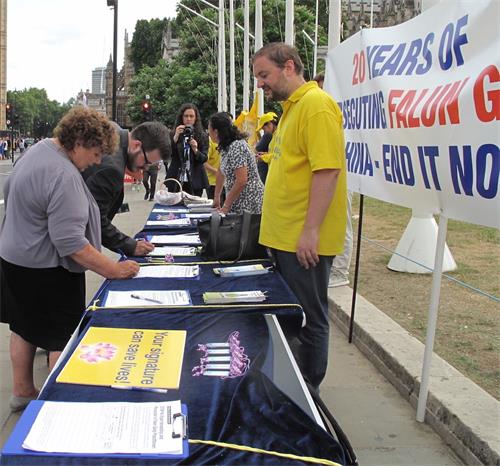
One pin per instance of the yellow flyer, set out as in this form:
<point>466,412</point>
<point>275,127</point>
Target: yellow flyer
<point>124,357</point>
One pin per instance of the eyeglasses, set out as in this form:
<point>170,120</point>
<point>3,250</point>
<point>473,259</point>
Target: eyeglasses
<point>146,160</point>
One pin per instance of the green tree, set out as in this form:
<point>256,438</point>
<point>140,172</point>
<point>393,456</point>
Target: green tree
<point>146,42</point>
<point>192,75</point>
<point>38,115</point>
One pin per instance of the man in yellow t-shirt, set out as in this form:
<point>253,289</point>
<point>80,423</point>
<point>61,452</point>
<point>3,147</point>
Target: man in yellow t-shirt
<point>304,208</point>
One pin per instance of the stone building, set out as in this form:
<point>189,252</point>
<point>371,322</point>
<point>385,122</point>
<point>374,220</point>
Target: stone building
<point>123,78</point>
<point>169,46</point>
<point>104,102</point>
<point>356,14</point>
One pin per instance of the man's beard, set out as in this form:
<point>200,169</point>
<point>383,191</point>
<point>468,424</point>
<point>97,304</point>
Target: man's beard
<point>276,95</point>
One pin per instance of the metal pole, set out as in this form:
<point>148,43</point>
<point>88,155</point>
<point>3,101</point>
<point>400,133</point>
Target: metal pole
<point>258,45</point>
<point>432,317</point>
<point>232,71</point>
<point>222,38</point>
<point>219,70</point>
<point>289,22</point>
<point>315,59</point>
<point>12,143</point>
<point>115,58</point>
<point>334,23</point>
<point>356,268</point>
<point>246,56</point>
<point>371,15</point>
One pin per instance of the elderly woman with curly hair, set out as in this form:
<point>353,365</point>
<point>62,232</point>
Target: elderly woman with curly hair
<point>50,235</point>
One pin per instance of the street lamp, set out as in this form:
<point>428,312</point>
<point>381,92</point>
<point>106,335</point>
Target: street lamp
<point>114,5</point>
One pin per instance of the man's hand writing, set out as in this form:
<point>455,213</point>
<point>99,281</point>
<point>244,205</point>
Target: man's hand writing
<point>143,247</point>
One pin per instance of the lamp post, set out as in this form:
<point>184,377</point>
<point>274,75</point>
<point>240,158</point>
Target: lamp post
<point>114,5</point>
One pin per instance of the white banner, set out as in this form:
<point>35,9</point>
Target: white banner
<point>421,109</point>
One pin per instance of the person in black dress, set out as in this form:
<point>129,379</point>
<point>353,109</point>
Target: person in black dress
<point>189,152</point>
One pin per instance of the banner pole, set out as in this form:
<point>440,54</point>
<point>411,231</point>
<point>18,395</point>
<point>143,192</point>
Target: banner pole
<point>356,267</point>
<point>432,317</point>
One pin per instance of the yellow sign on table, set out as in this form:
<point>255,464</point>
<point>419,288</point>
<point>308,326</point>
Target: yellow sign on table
<point>124,357</point>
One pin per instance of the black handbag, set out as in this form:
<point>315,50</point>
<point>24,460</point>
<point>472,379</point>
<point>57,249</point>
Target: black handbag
<point>231,238</point>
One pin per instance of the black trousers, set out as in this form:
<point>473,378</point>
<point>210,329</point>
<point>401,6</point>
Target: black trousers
<point>149,182</point>
<point>311,289</point>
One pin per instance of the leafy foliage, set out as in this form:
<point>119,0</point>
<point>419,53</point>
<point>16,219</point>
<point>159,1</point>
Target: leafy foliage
<point>192,75</point>
<point>38,115</point>
<point>146,42</point>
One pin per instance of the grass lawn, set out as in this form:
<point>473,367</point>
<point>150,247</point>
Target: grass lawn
<point>468,331</point>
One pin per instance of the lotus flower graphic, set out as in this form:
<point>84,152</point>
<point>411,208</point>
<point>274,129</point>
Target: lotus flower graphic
<point>98,352</point>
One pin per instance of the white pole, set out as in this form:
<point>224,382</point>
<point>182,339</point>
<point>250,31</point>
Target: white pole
<point>334,23</point>
<point>258,45</point>
<point>219,71</point>
<point>222,51</point>
<point>371,16</point>
<point>246,55</point>
<point>432,317</point>
<point>232,72</point>
<point>315,59</point>
<point>289,33</point>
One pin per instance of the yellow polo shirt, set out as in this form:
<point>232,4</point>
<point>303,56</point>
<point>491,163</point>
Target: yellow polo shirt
<point>213,160</point>
<point>309,137</point>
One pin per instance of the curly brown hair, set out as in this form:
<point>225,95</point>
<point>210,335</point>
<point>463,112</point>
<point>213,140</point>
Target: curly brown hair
<point>89,128</point>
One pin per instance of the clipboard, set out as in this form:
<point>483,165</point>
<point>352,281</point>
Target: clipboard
<point>13,446</point>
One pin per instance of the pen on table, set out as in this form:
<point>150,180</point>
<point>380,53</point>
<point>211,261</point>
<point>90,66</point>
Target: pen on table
<point>157,390</point>
<point>151,300</point>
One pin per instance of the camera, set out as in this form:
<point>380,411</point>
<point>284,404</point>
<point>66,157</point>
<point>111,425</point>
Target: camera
<point>188,132</point>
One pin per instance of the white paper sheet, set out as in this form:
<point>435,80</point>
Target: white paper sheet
<point>161,251</point>
<point>106,428</point>
<point>171,223</point>
<point>200,215</point>
<point>163,210</point>
<point>147,298</point>
<point>176,239</point>
<point>168,271</point>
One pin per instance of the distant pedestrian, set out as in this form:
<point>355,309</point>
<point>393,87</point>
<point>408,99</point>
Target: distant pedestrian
<point>149,177</point>
<point>20,144</point>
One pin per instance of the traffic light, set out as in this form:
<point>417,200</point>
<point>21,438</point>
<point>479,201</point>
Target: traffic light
<point>8,115</point>
<point>147,111</point>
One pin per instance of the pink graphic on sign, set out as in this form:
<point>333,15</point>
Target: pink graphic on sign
<point>98,352</point>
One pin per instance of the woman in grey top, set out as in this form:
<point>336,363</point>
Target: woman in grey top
<point>238,169</point>
<point>49,237</point>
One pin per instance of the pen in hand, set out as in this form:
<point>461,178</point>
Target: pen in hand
<point>144,298</point>
<point>122,254</point>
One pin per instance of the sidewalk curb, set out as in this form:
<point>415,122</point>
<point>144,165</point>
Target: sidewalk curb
<point>462,413</point>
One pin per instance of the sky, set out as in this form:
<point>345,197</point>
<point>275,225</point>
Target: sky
<point>55,44</point>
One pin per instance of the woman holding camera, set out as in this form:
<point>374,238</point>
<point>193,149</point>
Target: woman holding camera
<point>189,152</point>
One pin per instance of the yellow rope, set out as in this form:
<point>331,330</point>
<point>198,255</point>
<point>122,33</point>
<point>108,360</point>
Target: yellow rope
<point>307,459</point>
<point>162,262</point>
<point>94,307</point>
